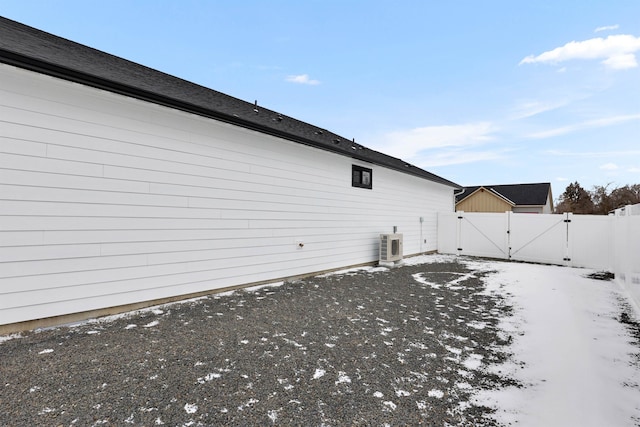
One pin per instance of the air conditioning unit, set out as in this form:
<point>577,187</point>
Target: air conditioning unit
<point>390,247</point>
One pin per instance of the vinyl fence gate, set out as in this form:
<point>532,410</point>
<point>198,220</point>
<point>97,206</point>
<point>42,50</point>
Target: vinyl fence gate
<point>566,239</point>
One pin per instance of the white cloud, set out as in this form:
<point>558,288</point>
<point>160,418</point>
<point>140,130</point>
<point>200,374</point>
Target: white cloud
<point>441,145</point>
<point>302,79</point>
<point>609,167</point>
<point>455,157</point>
<point>621,62</point>
<point>634,170</point>
<point>532,108</point>
<point>597,123</point>
<point>622,153</point>
<point>407,143</point>
<point>617,52</point>
<point>606,28</point>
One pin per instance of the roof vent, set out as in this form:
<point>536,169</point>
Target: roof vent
<point>255,107</point>
<point>336,141</point>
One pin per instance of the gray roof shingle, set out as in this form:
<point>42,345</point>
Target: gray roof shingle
<point>520,194</point>
<point>36,50</point>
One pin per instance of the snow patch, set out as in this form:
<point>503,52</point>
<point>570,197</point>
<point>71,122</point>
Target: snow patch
<point>46,351</point>
<point>247,404</point>
<point>273,416</point>
<point>430,259</point>
<point>473,362</point>
<point>477,325</point>
<point>259,287</point>
<point>569,349</point>
<point>319,373</point>
<point>190,408</point>
<point>389,404</point>
<point>438,394</point>
<point>343,378</point>
<point>209,377</point>
<point>418,277</point>
<point>9,337</point>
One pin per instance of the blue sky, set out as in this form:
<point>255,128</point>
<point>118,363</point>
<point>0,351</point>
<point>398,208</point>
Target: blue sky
<point>479,92</point>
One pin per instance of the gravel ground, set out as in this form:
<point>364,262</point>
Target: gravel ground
<point>401,346</point>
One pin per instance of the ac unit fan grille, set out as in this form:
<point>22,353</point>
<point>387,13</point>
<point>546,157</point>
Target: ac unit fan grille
<point>390,247</point>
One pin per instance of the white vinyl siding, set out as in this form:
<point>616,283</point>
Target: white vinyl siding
<point>106,200</point>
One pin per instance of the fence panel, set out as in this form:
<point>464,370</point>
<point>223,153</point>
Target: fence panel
<point>483,234</point>
<point>539,238</point>
<point>591,242</point>
<point>626,240</point>
<point>448,232</point>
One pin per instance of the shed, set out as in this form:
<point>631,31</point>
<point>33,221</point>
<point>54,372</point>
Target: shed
<point>124,187</point>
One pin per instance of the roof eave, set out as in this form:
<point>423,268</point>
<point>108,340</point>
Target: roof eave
<point>65,73</point>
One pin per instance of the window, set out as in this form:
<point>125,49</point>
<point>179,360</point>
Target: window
<point>361,177</point>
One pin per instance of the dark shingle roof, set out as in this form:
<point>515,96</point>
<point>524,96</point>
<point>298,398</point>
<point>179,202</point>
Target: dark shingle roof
<point>30,48</point>
<point>520,194</point>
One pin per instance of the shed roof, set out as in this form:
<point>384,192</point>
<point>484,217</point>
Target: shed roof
<point>520,194</point>
<point>36,50</point>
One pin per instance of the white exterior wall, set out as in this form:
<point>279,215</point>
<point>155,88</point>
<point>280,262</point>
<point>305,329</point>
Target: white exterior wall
<point>530,209</point>
<point>106,200</point>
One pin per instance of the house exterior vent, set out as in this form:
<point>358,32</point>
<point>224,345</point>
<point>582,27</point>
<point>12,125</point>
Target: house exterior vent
<point>390,247</point>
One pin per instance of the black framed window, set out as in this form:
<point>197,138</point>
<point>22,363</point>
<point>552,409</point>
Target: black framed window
<point>361,177</point>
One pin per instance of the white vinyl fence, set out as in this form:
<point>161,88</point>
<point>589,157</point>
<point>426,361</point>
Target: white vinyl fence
<point>626,250</point>
<point>567,239</point>
<point>599,242</point>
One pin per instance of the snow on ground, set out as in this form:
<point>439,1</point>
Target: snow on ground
<point>574,358</point>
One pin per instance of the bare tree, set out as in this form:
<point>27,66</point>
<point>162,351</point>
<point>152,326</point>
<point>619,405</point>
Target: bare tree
<point>627,195</point>
<point>603,204</point>
<point>575,199</point>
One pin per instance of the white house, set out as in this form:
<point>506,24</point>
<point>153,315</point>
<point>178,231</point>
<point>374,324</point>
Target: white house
<point>122,187</point>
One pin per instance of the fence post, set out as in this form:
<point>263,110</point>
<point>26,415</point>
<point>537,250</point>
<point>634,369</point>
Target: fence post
<point>460,216</point>
<point>509,213</point>
<point>568,251</point>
